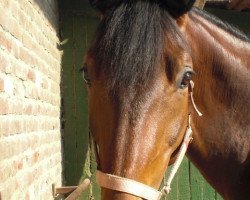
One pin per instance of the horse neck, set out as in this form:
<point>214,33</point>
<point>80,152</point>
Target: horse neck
<point>221,61</point>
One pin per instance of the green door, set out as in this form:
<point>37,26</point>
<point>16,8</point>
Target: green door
<point>78,23</point>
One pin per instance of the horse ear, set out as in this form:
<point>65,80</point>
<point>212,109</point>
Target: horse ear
<point>178,7</point>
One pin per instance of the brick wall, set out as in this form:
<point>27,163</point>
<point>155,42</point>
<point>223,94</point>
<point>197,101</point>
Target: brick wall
<point>30,140</point>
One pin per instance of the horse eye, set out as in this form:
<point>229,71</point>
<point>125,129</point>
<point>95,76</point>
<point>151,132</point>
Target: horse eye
<point>186,78</point>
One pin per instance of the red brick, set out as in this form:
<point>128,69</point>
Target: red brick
<point>19,89</point>
<point>20,165</point>
<point>21,17</point>
<point>26,56</point>
<point>45,83</point>
<point>35,93</point>
<point>28,109</point>
<point>4,63</point>
<point>4,106</point>
<point>9,43</point>
<point>32,75</point>
<point>4,41</point>
<point>9,127</point>
<point>1,85</point>
<point>20,70</point>
<point>16,32</point>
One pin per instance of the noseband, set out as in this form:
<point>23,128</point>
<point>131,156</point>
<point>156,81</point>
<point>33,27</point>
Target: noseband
<point>141,190</point>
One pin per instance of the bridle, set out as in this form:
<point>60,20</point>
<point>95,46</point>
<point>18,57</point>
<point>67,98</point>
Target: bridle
<point>141,190</point>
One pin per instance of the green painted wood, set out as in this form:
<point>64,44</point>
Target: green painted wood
<point>188,184</point>
<point>200,189</point>
<point>183,181</point>
<point>78,24</point>
<point>68,102</point>
<point>180,188</point>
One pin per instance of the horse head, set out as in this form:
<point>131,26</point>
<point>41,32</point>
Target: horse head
<point>138,70</point>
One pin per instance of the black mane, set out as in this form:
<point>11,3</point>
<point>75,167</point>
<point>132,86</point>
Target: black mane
<point>130,42</point>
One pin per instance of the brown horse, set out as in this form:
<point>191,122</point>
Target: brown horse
<point>138,72</point>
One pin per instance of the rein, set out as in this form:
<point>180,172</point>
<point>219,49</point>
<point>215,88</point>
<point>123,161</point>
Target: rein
<point>141,190</point>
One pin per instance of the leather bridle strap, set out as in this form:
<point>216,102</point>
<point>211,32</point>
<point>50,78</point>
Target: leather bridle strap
<point>129,186</point>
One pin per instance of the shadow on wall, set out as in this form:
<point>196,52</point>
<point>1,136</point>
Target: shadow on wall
<point>49,12</point>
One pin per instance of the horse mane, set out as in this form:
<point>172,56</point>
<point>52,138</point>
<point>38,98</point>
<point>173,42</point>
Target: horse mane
<point>130,42</point>
<point>230,77</point>
<point>222,24</point>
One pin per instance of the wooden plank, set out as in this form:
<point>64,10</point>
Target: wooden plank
<point>200,189</point>
<point>180,187</point>
<point>85,26</point>
<point>64,190</point>
<point>79,190</point>
<point>75,30</point>
<point>68,98</point>
<point>74,191</point>
<point>183,180</point>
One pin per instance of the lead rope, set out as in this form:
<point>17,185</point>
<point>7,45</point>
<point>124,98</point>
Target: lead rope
<point>187,139</point>
<point>192,99</point>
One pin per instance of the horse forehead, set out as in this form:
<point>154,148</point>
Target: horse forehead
<point>135,103</point>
